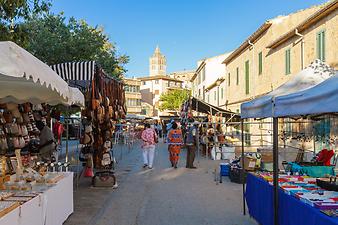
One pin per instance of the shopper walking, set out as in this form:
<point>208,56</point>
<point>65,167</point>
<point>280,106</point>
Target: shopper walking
<point>191,142</point>
<point>175,142</point>
<point>149,138</point>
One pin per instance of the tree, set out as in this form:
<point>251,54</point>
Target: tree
<point>173,100</point>
<point>60,41</point>
<point>13,13</point>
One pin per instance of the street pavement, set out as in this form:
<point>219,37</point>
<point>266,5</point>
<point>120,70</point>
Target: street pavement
<point>162,196</point>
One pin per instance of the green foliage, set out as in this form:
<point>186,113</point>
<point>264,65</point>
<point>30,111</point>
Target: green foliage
<point>60,41</point>
<point>173,100</point>
<point>13,13</point>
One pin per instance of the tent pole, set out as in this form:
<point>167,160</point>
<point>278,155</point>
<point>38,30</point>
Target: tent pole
<point>275,169</point>
<point>198,135</point>
<point>67,134</point>
<point>242,171</point>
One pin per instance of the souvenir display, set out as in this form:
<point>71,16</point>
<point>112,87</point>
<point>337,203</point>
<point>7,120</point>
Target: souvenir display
<point>7,206</point>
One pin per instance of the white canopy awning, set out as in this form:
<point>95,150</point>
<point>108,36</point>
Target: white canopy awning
<point>24,78</point>
<point>262,107</point>
<point>322,98</point>
<point>76,97</point>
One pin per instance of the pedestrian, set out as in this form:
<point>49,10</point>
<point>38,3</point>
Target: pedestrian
<point>149,138</point>
<point>47,147</point>
<point>175,143</point>
<point>159,129</point>
<point>191,142</point>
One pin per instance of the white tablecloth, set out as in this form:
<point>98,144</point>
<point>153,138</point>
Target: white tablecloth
<point>52,207</point>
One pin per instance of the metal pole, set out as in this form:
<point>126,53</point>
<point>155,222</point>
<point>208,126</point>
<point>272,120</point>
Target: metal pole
<point>198,135</point>
<point>275,170</point>
<point>67,134</point>
<point>242,171</point>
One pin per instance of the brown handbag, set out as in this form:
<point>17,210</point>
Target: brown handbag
<point>16,142</point>
<point>27,107</point>
<point>22,142</point>
<point>25,118</point>
<point>8,117</point>
<point>111,111</point>
<point>14,129</point>
<point>3,144</point>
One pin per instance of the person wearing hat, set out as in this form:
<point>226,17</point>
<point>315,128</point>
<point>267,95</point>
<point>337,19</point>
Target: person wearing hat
<point>191,142</point>
<point>47,142</point>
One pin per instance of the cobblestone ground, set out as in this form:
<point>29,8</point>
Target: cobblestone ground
<point>160,196</point>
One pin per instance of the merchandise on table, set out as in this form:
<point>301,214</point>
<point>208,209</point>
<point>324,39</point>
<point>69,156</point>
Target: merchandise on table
<point>7,207</point>
<point>305,189</point>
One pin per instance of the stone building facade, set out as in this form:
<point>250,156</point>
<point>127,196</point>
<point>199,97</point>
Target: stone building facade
<point>133,95</point>
<point>277,51</point>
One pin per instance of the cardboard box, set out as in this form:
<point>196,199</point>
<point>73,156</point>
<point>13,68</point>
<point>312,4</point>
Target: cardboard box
<point>267,157</point>
<point>249,163</point>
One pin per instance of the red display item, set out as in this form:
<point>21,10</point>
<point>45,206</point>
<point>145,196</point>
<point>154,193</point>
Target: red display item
<point>325,157</point>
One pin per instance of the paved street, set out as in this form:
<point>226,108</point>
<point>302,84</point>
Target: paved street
<point>160,196</point>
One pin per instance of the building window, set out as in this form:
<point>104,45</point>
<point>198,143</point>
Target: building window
<point>247,78</point>
<point>260,63</point>
<point>321,45</point>
<point>228,79</point>
<point>203,74</point>
<point>237,76</point>
<point>157,82</point>
<point>203,93</point>
<point>208,99</point>
<point>287,61</point>
<point>144,83</point>
<point>222,93</point>
<point>199,78</point>
<point>215,95</point>
<point>199,93</point>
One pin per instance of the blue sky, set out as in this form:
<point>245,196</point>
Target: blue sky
<point>185,30</point>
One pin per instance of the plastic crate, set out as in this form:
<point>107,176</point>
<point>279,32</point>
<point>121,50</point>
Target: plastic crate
<point>224,169</point>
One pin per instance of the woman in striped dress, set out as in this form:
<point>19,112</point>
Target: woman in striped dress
<point>175,143</point>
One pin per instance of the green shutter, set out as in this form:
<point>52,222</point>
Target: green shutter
<point>260,63</point>
<point>320,39</point>
<point>247,80</point>
<point>318,45</point>
<point>237,76</point>
<point>221,93</point>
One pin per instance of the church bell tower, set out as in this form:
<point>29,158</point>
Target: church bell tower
<point>157,63</point>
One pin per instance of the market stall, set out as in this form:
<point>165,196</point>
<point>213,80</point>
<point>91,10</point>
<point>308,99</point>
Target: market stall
<point>31,183</point>
<point>266,106</point>
<point>104,107</point>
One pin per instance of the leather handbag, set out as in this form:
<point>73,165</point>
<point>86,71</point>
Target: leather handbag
<point>104,179</point>
<point>24,131</point>
<point>88,172</point>
<point>16,142</point>
<point>37,107</point>
<point>106,159</point>
<point>14,129</point>
<point>8,117</point>
<point>3,144</point>
<point>27,107</point>
<point>110,111</point>
<point>27,139</point>
<point>11,106</point>
<point>37,116</point>
<point>31,116</point>
<point>25,118</point>
<point>2,131</point>
<point>22,142</point>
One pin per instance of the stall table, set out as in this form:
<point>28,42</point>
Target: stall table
<point>52,207</point>
<point>259,197</point>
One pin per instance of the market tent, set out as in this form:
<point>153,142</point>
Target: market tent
<point>204,107</point>
<point>262,107</point>
<point>76,97</point>
<point>322,98</point>
<point>24,78</point>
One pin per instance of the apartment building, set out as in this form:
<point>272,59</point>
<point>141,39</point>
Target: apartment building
<point>208,72</point>
<point>133,95</point>
<point>278,50</point>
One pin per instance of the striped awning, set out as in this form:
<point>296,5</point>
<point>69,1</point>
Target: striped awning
<point>75,71</point>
